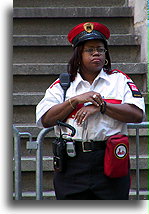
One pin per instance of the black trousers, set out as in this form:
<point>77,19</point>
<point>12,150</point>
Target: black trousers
<point>84,179</point>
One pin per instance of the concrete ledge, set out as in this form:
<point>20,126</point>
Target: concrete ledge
<point>61,40</point>
<point>68,3</point>
<point>143,194</point>
<point>57,68</point>
<point>71,12</point>
<point>143,161</point>
<point>31,195</point>
<point>61,26</point>
<point>25,98</point>
<point>29,163</point>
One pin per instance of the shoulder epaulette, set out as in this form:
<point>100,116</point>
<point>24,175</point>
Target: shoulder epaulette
<point>56,82</point>
<point>119,71</point>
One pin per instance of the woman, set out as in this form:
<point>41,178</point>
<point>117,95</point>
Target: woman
<point>98,104</point>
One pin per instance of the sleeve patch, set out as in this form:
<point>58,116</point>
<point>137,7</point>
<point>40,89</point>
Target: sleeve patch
<point>135,91</point>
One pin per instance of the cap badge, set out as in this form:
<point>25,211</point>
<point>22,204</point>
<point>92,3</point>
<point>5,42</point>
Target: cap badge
<point>88,27</point>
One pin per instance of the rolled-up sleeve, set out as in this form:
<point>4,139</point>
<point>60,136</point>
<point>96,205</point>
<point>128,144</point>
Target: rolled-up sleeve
<point>133,96</point>
<point>52,97</point>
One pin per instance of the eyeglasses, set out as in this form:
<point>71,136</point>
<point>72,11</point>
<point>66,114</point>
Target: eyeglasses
<point>92,50</point>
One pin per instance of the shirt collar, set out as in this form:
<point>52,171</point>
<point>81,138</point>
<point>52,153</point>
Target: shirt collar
<point>102,75</point>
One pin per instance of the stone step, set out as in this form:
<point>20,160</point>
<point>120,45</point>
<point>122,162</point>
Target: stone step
<point>56,49</point>
<point>143,194</point>
<point>50,137</point>
<point>61,40</point>
<point>29,163</point>
<point>57,68</point>
<point>50,195</point>
<point>61,26</point>
<point>34,130</point>
<point>72,12</point>
<point>62,54</point>
<point>31,84</point>
<point>29,180</point>
<point>33,98</point>
<point>26,113</point>
<point>25,98</point>
<point>31,77</point>
<point>68,3</point>
<point>31,195</point>
<point>47,145</point>
<point>28,177</point>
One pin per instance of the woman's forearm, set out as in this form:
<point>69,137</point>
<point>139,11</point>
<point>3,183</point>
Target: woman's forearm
<point>126,113</point>
<point>57,112</point>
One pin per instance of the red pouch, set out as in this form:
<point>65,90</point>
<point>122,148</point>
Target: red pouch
<point>116,160</point>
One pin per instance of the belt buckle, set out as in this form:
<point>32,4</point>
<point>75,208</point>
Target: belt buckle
<point>83,147</point>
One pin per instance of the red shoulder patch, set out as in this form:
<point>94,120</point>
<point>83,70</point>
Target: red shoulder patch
<point>119,71</point>
<point>134,89</point>
<point>56,82</point>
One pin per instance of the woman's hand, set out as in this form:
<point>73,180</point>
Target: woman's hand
<point>85,112</point>
<point>93,97</point>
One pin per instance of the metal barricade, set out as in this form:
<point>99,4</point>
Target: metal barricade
<point>39,159</point>
<point>39,164</point>
<point>39,194</point>
<point>17,161</point>
<point>138,126</point>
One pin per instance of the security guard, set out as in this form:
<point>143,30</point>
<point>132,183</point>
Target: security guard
<point>99,103</point>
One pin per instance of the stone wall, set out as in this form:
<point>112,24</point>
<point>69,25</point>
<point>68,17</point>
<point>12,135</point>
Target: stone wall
<point>140,24</point>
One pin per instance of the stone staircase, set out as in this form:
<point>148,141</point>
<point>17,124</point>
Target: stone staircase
<point>41,53</point>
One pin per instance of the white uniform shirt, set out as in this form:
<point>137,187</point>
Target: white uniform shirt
<point>115,88</point>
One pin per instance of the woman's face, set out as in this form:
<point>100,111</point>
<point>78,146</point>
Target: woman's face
<point>93,56</point>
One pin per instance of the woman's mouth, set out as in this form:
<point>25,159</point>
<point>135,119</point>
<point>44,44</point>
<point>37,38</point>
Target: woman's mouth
<point>96,60</point>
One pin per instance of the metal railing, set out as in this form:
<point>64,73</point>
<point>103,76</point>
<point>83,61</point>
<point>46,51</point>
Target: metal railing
<point>39,167</point>
<point>137,126</point>
<point>38,144</point>
<point>17,161</point>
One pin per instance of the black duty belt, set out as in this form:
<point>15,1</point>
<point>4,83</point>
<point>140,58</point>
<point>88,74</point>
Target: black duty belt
<point>90,146</point>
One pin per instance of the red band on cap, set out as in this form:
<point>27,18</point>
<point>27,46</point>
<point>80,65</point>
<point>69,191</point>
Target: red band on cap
<point>80,28</point>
